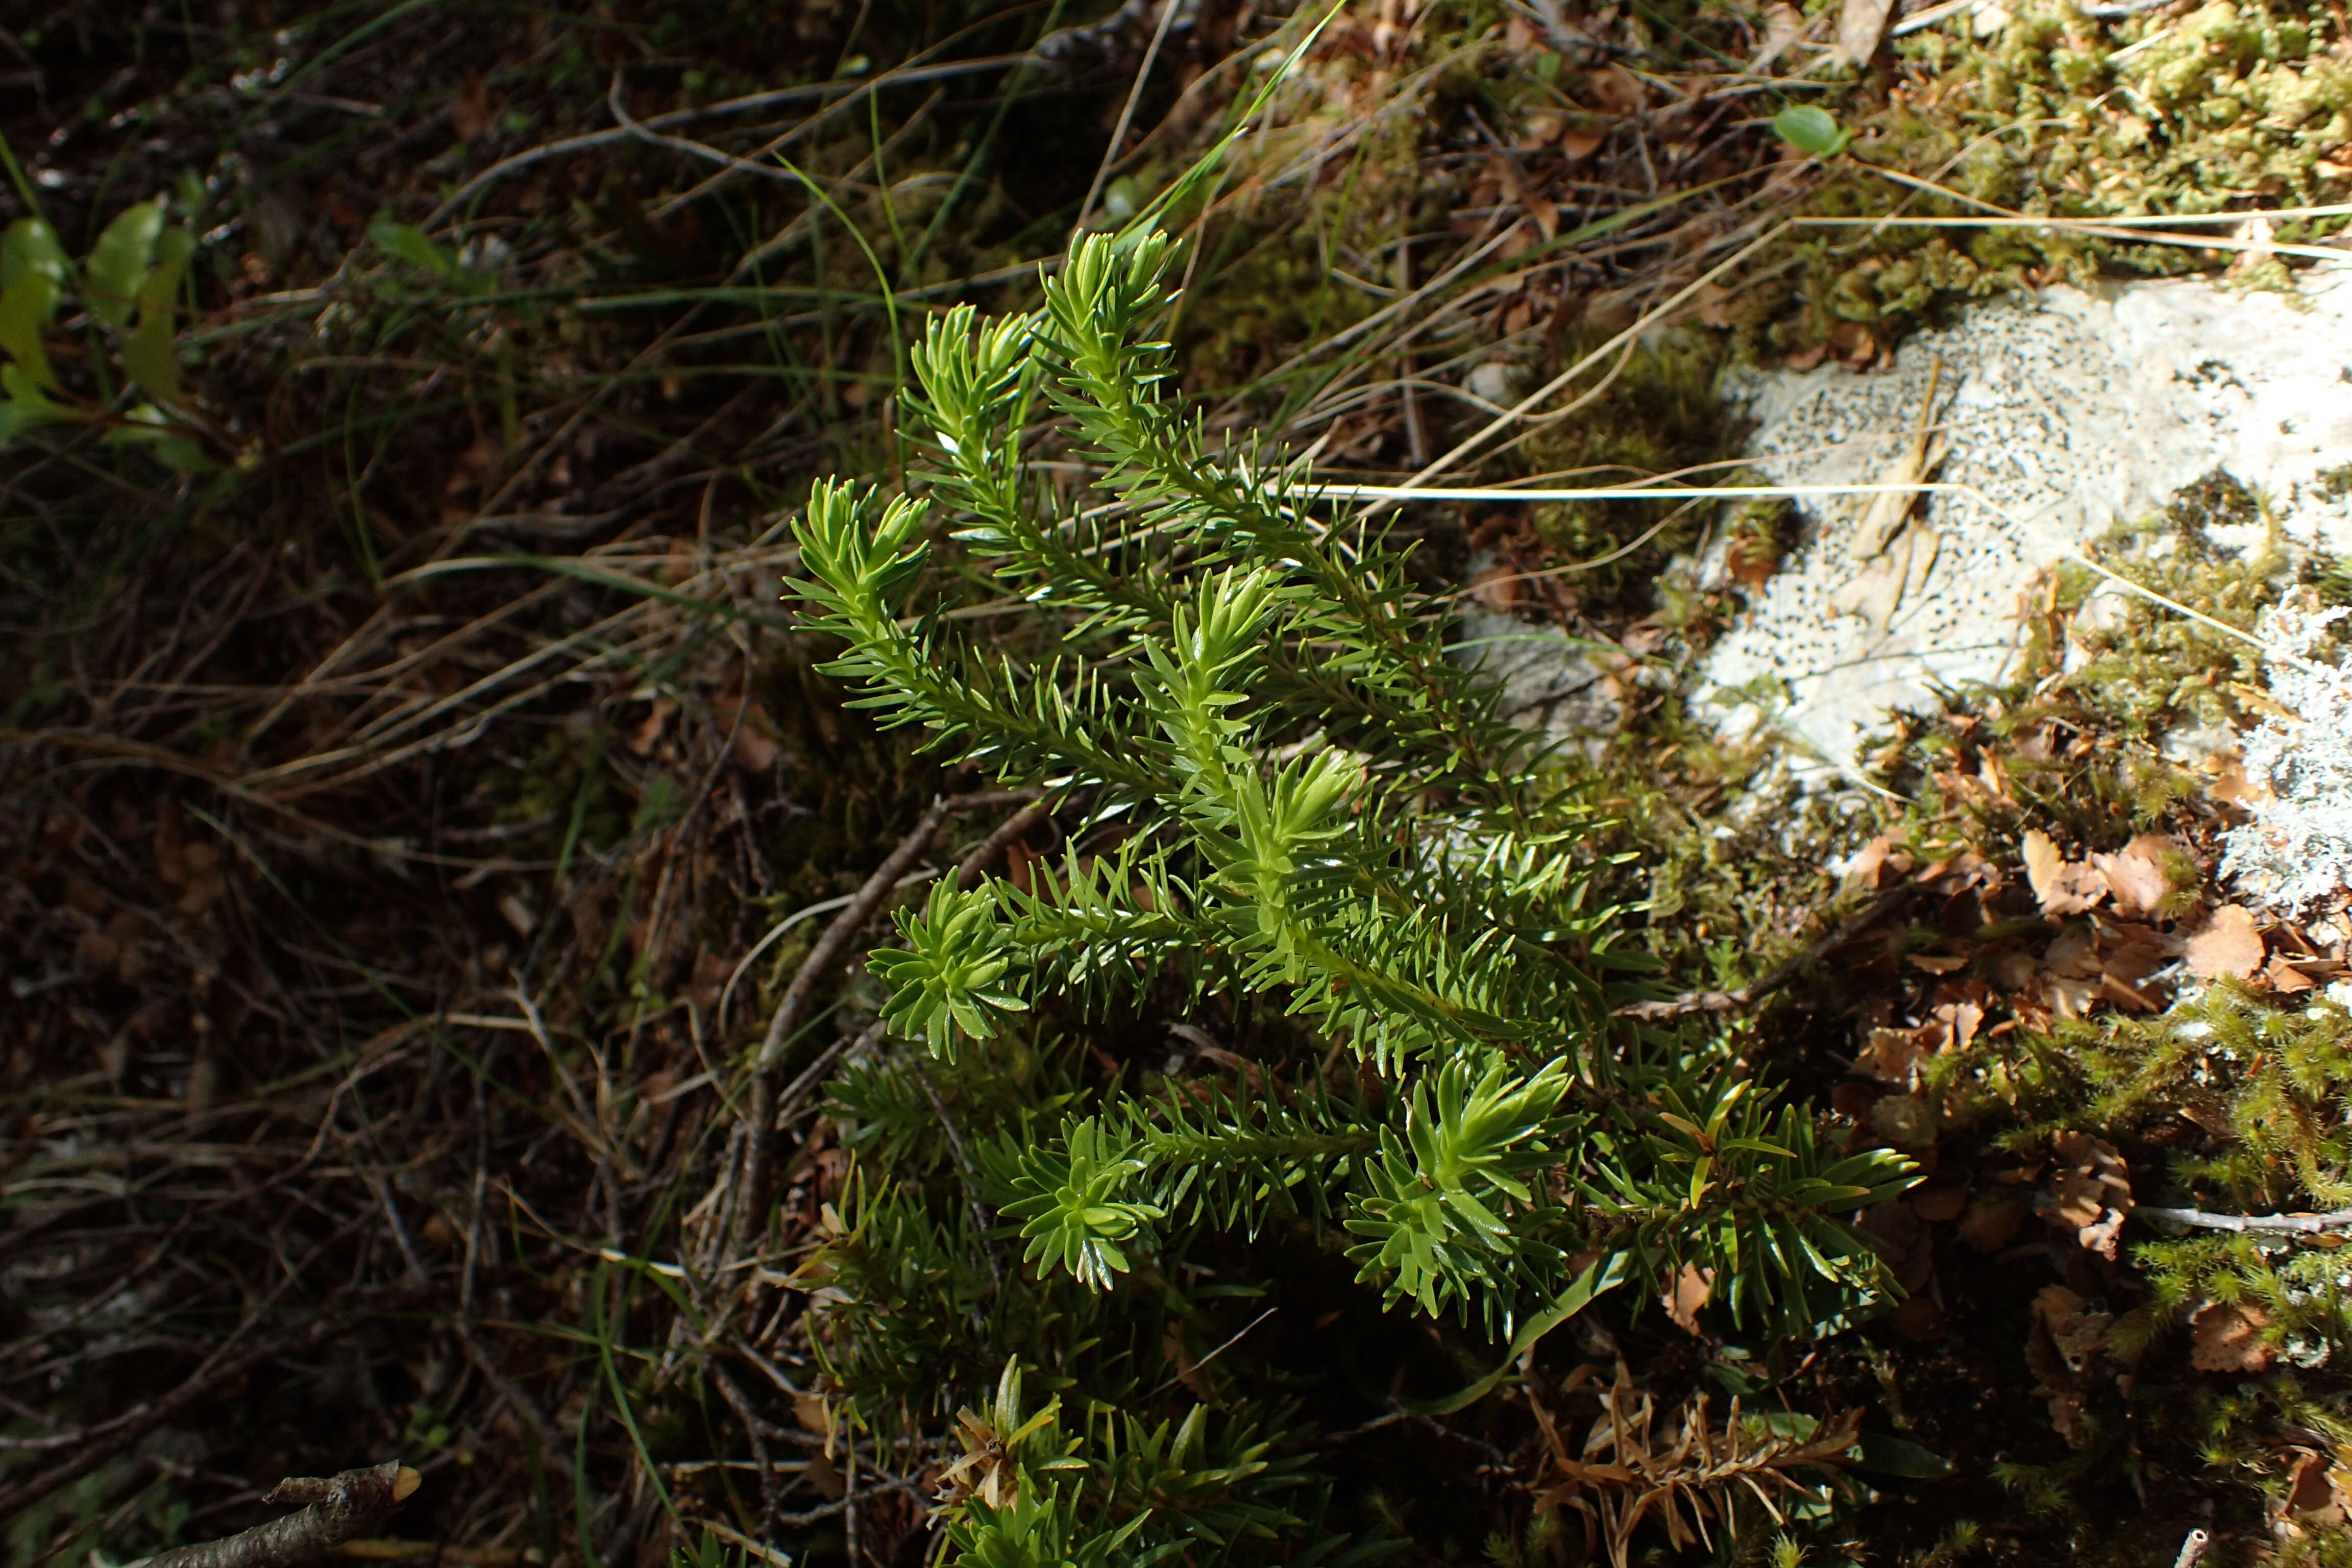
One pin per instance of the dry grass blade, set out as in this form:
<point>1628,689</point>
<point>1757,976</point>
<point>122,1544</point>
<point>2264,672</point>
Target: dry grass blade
<point>1692,1477</point>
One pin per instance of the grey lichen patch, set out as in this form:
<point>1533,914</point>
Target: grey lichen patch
<point>2296,847</point>
<point>1552,684</point>
<point>2064,412</point>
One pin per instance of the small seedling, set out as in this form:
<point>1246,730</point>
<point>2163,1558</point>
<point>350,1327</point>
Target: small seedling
<point>1814,132</point>
<point>127,286</point>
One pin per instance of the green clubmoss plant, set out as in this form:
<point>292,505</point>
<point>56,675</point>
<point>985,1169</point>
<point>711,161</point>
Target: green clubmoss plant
<point>1297,813</point>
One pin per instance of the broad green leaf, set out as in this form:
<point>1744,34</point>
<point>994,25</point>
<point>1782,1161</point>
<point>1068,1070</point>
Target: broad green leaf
<point>118,263</point>
<point>172,445</point>
<point>16,416</point>
<point>24,405</point>
<point>150,353</point>
<point>27,306</point>
<point>1809,129</point>
<point>409,244</point>
<point>1900,1456</point>
<point>149,357</point>
<point>29,247</point>
<point>173,250</point>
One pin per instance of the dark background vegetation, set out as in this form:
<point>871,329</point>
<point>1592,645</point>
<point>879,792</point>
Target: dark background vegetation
<point>388,812</point>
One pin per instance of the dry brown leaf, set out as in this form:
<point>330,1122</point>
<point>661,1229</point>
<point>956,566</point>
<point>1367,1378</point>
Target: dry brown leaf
<point>2134,880</point>
<point>1878,863</point>
<point>1861,25</point>
<point>1178,1354</point>
<point>1917,1319</point>
<point>2314,1493</point>
<point>1892,1057</point>
<point>2067,1417</point>
<point>2228,1338</point>
<point>648,732</point>
<point>2062,887</point>
<point>754,753</point>
<point>1714,310</point>
<point>1960,1021</point>
<point>1905,1120</point>
<point>2228,945</point>
<point>1939,1206</point>
<point>2285,978</point>
<point>470,113</point>
<point>1782,25</point>
<point>2091,1191</point>
<point>2136,953</point>
<point>1905,1241</point>
<point>2231,786</point>
<point>1497,588</point>
<point>2070,973</point>
<point>2076,1332</point>
<point>1691,1290</point>
<point>1619,90</point>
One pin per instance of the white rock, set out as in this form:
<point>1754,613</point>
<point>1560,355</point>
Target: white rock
<point>2068,411</point>
<point>2297,846</point>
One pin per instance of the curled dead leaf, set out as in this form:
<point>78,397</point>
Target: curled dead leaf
<point>1893,1055</point>
<point>1879,862</point>
<point>1782,25</point>
<point>2228,1337</point>
<point>1992,1223</point>
<point>1940,1204</point>
<point>2285,978</point>
<point>2228,945</point>
<point>1691,1288</point>
<point>2134,880</point>
<point>2062,887</point>
<point>1861,25</point>
<point>2313,1494</point>
<point>2090,1191</point>
<point>1497,588</point>
<point>2231,786</point>
<point>1919,1319</point>
<point>2077,1331</point>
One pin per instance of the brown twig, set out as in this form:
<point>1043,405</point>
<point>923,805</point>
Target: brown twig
<point>2270,1223</point>
<point>1015,827</point>
<point>830,950</point>
<point>340,1508</point>
<point>1755,991</point>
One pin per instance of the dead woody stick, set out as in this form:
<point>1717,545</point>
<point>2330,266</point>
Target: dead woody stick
<point>341,1508</point>
<point>830,950</point>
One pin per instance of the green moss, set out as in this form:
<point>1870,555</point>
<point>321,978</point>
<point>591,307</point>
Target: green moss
<point>2055,115</point>
<point>1659,414</point>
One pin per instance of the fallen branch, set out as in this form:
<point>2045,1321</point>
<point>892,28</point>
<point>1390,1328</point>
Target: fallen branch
<point>1015,827</point>
<point>340,1508</point>
<point>750,1197</point>
<point>2272,1224</point>
<point>1755,991</point>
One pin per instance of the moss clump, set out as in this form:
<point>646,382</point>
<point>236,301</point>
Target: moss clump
<point>1659,414</point>
<point>2233,105</point>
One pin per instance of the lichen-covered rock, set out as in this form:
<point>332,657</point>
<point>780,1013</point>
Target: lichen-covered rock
<point>2297,847</point>
<point>2066,413</point>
